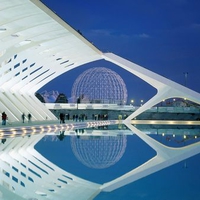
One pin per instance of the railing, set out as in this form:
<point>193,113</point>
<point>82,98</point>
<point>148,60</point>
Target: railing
<point>71,106</point>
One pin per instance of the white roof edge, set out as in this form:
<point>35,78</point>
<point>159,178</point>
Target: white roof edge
<point>53,15</point>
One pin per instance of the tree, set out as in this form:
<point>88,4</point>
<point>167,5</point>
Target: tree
<point>61,98</point>
<point>40,97</point>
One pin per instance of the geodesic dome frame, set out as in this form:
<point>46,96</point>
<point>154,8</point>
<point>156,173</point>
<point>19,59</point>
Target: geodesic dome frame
<point>101,85</point>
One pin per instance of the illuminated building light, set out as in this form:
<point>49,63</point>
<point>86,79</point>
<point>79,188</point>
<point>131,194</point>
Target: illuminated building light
<point>2,133</point>
<point>49,130</point>
<point>23,134</point>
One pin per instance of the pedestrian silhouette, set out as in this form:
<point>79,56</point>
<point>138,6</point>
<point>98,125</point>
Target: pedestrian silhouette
<point>23,117</point>
<point>29,117</point>
<point>62,118</point>
<point>4,118</point>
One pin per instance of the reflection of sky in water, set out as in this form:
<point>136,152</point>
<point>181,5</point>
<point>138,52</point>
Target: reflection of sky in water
<point>179,181</point>
<point>63,156</point>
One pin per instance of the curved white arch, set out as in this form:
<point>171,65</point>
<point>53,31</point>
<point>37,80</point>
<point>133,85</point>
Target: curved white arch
<point>37,46</point>
<point>32,58</point>
<point>165,87</point>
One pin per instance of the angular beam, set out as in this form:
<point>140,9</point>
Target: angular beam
<point>165,87</point>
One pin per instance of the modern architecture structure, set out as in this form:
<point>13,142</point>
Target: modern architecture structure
<point>100,85</point>
<point>37,46</point>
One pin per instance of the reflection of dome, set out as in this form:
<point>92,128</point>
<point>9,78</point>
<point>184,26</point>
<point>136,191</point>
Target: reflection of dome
<point>100,85</point>
<point>98,152</point>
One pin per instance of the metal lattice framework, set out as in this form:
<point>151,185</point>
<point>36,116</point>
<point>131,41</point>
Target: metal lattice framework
<point>100,84</point>
<point>99,152</point>
<point>37,46</point>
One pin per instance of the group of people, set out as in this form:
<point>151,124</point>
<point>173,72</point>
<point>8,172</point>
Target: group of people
<point>100,117</point>
<point>24,117</point>
<point>5,118</point>
<point>81,117</point>
<point>75,117</point>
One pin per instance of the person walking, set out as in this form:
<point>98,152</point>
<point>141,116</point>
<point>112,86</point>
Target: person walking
<point>4,118</point>
<point>23,117</point>
<point>62,118</point>
<point>29,117</point>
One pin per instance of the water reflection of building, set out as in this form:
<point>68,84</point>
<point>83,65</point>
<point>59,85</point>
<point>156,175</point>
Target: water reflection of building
<point>25,172</point>
<point>98,151</point>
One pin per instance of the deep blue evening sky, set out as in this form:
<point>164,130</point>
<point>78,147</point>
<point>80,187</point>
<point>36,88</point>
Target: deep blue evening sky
<point>163,36</point>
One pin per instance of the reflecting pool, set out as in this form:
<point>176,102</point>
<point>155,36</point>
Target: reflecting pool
<point>101,161</point>
<point>103,154</point>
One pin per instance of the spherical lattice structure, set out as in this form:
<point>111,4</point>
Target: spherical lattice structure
<point>100,85</point>
<point>99,152</point>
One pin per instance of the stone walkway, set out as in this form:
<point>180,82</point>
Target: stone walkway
<point>32,123</point>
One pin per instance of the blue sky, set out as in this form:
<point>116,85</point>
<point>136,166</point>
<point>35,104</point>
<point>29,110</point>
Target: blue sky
<point>163,36</point>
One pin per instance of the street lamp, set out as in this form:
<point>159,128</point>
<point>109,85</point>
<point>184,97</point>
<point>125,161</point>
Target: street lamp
<point>132,101</point>
<point>141,102</point>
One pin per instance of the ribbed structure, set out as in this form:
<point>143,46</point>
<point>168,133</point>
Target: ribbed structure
<point>26,174</point>
<point>36,46</point>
